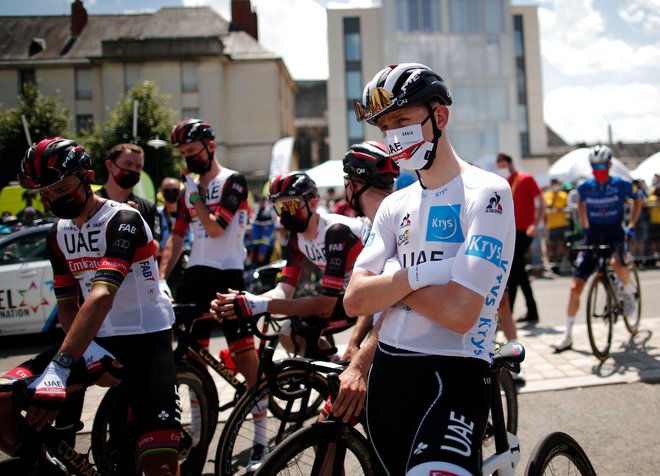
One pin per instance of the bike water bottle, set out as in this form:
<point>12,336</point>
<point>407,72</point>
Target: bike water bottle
<point>225,356</point>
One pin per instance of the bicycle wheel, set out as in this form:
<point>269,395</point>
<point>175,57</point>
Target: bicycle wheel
<point>559,453</point>
<point>601,315</point>
<point>632,321</point>
<point>319,449</point>
<point>239,432</point>
<point>114,439</point>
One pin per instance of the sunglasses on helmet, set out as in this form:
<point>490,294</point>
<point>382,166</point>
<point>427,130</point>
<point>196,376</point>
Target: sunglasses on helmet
<point>599,166</point>
<point>47,178</point>
<point>379,99</point>
<point>289,206</point>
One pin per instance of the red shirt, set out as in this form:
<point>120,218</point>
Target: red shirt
<point>525,190</point>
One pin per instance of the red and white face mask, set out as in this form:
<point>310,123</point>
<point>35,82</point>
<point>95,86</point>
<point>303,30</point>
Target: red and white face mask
<point>408,148</point>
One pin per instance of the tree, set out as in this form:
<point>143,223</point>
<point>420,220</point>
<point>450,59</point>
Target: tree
<point>46,117</point>
<point>154,120</point>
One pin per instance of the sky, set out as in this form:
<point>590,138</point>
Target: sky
<point>600,58</point>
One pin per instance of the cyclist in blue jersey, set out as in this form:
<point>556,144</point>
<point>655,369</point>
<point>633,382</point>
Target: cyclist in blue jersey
<point>601,205</point>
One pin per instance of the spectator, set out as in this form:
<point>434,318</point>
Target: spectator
<point>124,165</point>
<point>639,244</point>
<point>529,212</point>
<point>654,225</point>
<point>557,224</point>
<point>170,190</point>
<point>263,232</point>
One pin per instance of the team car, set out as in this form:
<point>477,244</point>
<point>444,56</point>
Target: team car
<point>27,298</point>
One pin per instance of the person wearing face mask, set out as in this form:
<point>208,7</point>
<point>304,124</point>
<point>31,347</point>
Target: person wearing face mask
<point>601,204</point>
<point>170,189</point>
<point>108,302</point>
<point>124,165</point>
<point>529,212</point>
<point>440,314</point>
<point>557,225</point>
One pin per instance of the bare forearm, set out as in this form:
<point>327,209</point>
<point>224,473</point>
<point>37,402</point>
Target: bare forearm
<point>303,307</point>
<point>360,330</point>
<point>208,219</point>
<point>368,293</point>
<point>171,254</point>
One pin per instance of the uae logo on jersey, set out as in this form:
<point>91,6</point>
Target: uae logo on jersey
<point>494,204</point>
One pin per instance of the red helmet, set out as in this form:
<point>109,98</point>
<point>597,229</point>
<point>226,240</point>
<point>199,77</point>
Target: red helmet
<point>292,184</point>
<point>190,130</point>
<point>50,161</point>
<point>370,162</point>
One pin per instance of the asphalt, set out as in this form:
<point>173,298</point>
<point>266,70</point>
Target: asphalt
<point>632,359</point>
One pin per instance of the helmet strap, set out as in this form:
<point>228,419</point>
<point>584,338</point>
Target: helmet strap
<point>355,198</point>
<point>437,133</point>
<point>210,156</point>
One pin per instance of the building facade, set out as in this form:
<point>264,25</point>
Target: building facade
<point>486,51</point>
<point>208,67</point>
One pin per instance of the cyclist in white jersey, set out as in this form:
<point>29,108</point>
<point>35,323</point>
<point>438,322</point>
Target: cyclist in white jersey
<point>103,254</point>
<point>441,318</point>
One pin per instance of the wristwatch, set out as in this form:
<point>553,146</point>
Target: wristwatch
<point>64,359</point>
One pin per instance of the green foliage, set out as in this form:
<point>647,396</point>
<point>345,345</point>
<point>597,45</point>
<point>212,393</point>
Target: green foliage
<point>46,117</point>
<point>154,120</point>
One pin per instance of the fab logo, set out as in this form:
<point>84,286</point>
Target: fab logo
<point>444,224</point>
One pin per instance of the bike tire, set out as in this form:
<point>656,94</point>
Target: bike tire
<point>632,321</point>
<point>559,453</point>
<point>304,452</point>
<point>235,443</point>
<point>113,440</point>
<point>509,400</point>
<point>602,308</point>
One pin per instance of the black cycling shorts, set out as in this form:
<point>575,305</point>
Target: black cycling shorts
<point>612,235</point>
<point>427,413</point>
<point>199,287</point>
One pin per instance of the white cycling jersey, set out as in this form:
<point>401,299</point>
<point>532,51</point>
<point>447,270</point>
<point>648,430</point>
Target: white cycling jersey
<point>470,219</point>
<point>226,197</point>
<point>115,247</point>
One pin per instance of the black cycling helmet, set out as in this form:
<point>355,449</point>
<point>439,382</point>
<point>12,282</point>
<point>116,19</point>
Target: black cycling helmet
<point>190,130</point>
<point>399,86</point>
<point>50,161</point>
<point>600,154</point>
<point>370,162</point>
<point>292,185</point>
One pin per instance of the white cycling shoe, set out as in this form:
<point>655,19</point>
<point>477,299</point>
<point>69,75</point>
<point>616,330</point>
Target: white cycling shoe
<point>565,343</point>
<point>629,304</point>
<point>257,456</point>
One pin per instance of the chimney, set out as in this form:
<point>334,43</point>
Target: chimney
<point>78,17</point>
<point>243,18</point>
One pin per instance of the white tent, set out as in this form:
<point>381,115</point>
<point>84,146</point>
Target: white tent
<point>328,174</point>
<point>648,168</point>
<point>575,165</point>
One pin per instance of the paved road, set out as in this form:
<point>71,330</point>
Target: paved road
<point>612,408</point>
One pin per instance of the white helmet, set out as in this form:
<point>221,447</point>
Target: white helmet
<point>600,154</point>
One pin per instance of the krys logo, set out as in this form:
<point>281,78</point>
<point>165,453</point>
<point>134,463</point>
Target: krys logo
<point>485,247</point>
<point>444,224</point>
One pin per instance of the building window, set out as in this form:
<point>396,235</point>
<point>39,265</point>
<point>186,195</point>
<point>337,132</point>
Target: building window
<point>84,123</point>
<point>355,128</point>
<point>476,16</point>
<point>418,15</point>
<point>190,112</point>
<point>26,76</point>
<point>521,85</point>
<point>189,82</point>
<point>83,83</point>
<point>131,75</point>
<point>481,103</point>
<point>352,39</point>
<point>353,79</point>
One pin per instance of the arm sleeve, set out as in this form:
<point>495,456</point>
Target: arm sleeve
<point>127,241</point>
<point>484,258</point>
<point>342,248</point>
<point>65,284</point>
<point>294,262</point>
<point>381,242</point>
<point>234,197</point>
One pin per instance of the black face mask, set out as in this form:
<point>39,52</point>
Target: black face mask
<point>171,195</point>
<point>126,179</point>
<point>293,224</point>
<point>197,164</point>
<point>69,206</point>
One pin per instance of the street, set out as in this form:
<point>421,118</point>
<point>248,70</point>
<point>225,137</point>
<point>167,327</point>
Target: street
<point>611,409</point>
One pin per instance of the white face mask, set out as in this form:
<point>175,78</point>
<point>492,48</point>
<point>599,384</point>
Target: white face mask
<point>503,172</point>
<point>408,148</point>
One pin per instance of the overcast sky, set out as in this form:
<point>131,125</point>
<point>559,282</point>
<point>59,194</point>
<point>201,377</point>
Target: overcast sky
<point>601,58</point>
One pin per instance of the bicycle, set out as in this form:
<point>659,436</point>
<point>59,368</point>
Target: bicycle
<point>113,447</point>
<point>296,391</point>
<point>46,452</point>
<point>605,303</point>
<point>334,447</point>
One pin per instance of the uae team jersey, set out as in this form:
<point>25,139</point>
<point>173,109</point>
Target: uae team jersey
<point>226,198</point>
<point>338,242</point>
<point>115,247</point>
<point>470,219</point>
<point>605,203</point>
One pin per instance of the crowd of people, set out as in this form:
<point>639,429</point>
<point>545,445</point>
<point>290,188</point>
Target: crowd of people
<point>425,274</point>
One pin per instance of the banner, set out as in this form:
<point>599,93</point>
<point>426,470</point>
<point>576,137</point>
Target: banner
<point>280,159</point>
